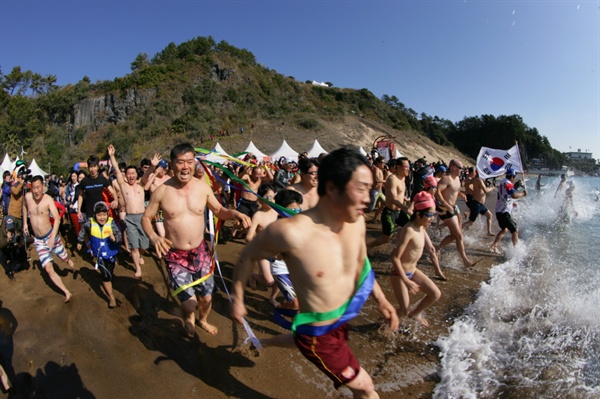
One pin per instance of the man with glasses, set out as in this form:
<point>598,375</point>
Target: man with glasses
<point>447,193</point>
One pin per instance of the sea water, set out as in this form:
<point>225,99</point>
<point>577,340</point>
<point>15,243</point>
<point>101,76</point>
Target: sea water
<point>534,329</point>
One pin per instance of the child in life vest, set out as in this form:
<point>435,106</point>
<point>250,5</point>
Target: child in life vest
<point>103,238</point>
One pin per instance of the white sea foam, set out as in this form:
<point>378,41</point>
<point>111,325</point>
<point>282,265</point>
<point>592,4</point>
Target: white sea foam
<point>534,330</point>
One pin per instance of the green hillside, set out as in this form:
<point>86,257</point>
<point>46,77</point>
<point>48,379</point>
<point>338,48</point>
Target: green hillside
<point>202,91</point>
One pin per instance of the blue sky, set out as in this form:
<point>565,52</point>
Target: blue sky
<point>537,59</point>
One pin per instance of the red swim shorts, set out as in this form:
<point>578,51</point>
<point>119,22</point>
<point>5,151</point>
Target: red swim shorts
<point>331,354</point>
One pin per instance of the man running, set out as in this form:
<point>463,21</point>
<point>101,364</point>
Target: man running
<point>309,181</point>
<point>476,192</point>
<point>40,207</point>
<point>324,249</point>
<point>183,199</point>
<point>447,193</point>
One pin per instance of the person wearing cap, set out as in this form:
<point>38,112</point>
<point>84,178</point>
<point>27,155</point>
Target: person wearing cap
<point>447,193</point>
<point>405,278</point>
<point>396,211</point>
<point>476,192</point>
<point>132,193</point>
<point>40,208</point>
<point>183,199</point>
<point>103,237</point>
<point>309,180</point>
<point>507,194</point>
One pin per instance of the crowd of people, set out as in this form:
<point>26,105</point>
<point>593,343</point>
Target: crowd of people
<point>304,221</point>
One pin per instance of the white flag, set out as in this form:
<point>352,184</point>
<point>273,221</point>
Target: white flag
<point>492,162</point>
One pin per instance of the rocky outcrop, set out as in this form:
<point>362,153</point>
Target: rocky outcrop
<point>220,74</point>
<point>111,108</point>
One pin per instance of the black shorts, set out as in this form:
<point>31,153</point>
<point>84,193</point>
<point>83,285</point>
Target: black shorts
<point>247,207</point>
<point>505,221</point>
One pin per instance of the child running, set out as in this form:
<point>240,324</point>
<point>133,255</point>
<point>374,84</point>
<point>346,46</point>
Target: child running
<point>405,277</point>
<point>102,236</point>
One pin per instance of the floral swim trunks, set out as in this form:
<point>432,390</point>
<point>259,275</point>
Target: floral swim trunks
<point>185,267</point>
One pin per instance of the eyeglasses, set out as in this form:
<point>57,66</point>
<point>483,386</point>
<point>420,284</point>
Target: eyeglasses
<point>430,214</point>
<point>312,173</point>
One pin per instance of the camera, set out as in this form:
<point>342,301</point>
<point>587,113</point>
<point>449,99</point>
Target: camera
<point>23,172</point>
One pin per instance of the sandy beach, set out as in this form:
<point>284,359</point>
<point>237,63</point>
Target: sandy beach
<point>83,349</point>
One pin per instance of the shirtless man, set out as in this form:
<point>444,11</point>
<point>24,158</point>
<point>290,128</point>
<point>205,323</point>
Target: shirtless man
<point>447,193</point>
<point>405,277</point>
<point>309,181</point>
<point>396,211</point>
<point>260,220</point>
<point>132,193</point>
<point>476,192</point>
<point>46,238</point>
<point>324,249</point>
<point>154,176</point>
<point>183,199</point>
<point>378,181</point>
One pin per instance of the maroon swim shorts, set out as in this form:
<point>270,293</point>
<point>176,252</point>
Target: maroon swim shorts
<point>331,354</point>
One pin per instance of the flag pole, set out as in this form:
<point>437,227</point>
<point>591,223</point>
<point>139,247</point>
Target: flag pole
<point>522,165</point>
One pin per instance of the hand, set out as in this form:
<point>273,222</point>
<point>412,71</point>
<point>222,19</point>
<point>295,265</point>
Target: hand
<point>389,313</point>
<point>114,204</point>
<point>111,151</point>
<point>243,220</point>
<point>238,311</point>
<point>79,246</point>
<point>155,159</point>
<point>162,245</point>
<point>413,288</point>
<point>112,237</point>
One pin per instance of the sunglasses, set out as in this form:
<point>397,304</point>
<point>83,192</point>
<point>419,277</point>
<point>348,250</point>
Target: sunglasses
<point>312,173</point>
<point>430,214</point>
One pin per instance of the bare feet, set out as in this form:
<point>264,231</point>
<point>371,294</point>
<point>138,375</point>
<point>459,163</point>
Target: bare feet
<point>138,274</point>
<point>419,317</point>
<point>441,275</point>
<point>112,302</point>
<point>209,328</point>
<point>494,250</point>
<point>490,234</point>
<point>142,261</point>
<point>472,264</point>
<point>190,330</point>
<point>68,296</point>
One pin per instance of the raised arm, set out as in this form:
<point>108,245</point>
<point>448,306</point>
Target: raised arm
<point>115,165</point>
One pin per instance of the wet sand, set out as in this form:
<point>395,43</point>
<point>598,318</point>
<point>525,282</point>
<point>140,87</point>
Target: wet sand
<point>83,349</point>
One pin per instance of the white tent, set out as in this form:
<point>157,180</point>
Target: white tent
<point>362,151</point>
<point>36,170</point>
<point>285,151</point>
<point>261,156</point>
<point>213,157</point>
<point>6,163</point>
<point>397,154</point>
<point>316,150</point>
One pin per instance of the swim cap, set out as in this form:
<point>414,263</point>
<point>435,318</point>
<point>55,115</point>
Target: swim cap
<point>423,200</point>
<point>430,181</point>
<point>440,168</point>
<point>162,164</point>
<point>510,172</point>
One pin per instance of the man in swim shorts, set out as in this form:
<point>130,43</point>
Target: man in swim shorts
<point>448,193</point>
<point>40,207</point>
<point>183,199</point>
<point>324,249</point>
<point>396,210</point>
<point>133,197</point>
<point>476,192</point>
<point>507,195</point>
